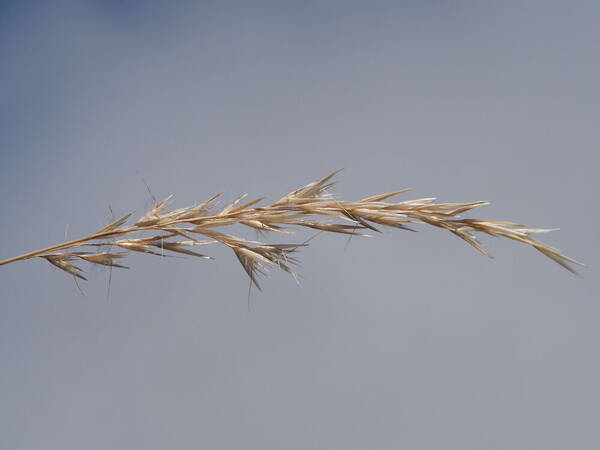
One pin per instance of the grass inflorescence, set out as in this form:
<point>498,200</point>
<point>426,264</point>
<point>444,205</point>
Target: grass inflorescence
<point>312,206</point>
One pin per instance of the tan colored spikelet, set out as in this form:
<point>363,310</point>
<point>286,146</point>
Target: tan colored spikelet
<point>263,226</point>
<point>252,262</point>
<point>200,210</point>
<point>62,261</point>
<point>114,225</point>
<point>308,193</point>
<point>311,206</point>
<point>103,258</point>
<point>179,247</point>
<point>153,215</point>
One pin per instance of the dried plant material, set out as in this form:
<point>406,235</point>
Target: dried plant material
<point>311,192</point>
<point>114,225</point>
<point>153,216</point>
<point>263,226</point>
<point>311,206</point>
<point>254,260</point>
<point>199,210</point>
<point>62,261</point>
<point>179,247</point>
<point>103,258</point>
<point>141,245</point>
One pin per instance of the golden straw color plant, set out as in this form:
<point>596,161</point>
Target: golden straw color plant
<point>178,230</point>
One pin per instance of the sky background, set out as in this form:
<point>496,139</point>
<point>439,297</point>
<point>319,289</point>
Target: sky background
<point>405,340</point>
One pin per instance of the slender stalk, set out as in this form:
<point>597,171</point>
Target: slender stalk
<point>45,250</point>
<point>61,246</point>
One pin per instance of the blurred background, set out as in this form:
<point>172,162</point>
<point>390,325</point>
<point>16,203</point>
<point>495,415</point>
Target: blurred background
<point>404,340</point>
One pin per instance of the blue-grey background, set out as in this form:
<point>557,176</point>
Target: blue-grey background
<point>401,341</point>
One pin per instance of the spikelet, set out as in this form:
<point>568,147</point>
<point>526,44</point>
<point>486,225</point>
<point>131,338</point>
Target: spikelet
<point>63,262</point>
<point>153,215</point>
<point>103,258</point>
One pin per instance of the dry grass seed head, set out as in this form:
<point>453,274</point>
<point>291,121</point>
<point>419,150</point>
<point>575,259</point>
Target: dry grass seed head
<point>303,207</point>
